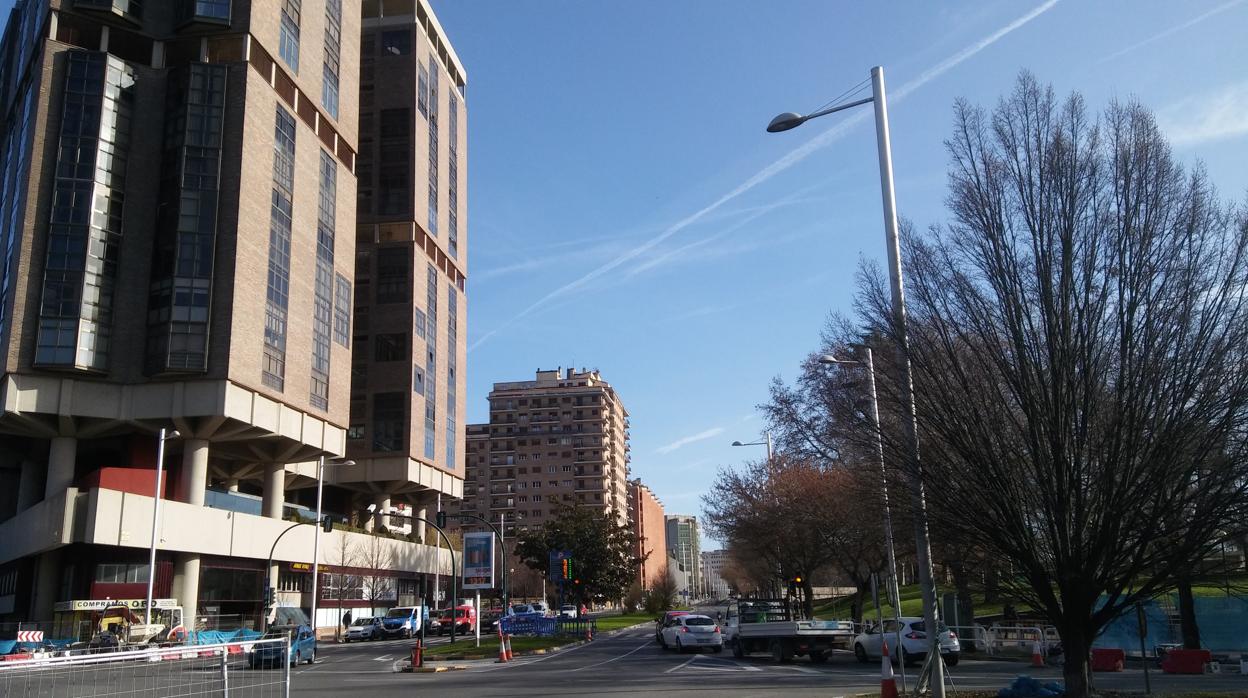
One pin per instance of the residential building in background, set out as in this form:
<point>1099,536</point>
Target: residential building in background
<point>713,583</point>
<point>558,440</point>
<point>409,347</point>
<point>645,512</point>
<point>178,226</point>
<point>683,545</point>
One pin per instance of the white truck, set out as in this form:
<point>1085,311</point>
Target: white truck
<point>769,625</point>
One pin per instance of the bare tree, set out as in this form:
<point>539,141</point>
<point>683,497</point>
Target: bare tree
<point>378,582</point>
<point>343,583</point>
<point>1078,340</point>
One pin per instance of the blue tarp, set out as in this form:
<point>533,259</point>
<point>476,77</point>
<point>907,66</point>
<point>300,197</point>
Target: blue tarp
<point>219,637</point>
<point>11,646</point>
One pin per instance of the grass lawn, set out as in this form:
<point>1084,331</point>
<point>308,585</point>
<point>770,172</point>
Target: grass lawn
<point>617,622</point>
<point>489,645</point>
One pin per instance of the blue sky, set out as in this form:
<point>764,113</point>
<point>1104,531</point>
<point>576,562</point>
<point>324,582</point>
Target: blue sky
<point>623,214</point>
<point>628,212</point>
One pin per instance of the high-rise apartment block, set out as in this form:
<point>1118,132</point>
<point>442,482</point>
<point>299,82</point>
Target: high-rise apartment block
<point>645,512</point>
<point>713,583</point>
<point>683,544</point>
<point>409,345</point>
<point>179,250</point>
<point>560,439</point>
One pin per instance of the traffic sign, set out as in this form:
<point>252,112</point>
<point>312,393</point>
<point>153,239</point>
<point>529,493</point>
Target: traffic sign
<point>30,636</point>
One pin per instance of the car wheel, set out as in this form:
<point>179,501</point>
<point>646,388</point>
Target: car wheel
<point>297,660</point>
<point>737,650</point>
<point>818,656</point>
<point>781,652</point>
<point>680,648</point>
<point>717,649</point>
<point>312,657</point>
<point>861,653</point>
<point>345,640</point>
<point>951,659</point>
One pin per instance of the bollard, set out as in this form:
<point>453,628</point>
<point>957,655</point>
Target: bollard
<point>507,643</point>
<point>502,648</point>
<point>418,655</point>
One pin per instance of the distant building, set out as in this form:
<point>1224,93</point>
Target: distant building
<point>683,544</point>
<point>713,583</point>
<point>560,439</point>
<point>645,512</point>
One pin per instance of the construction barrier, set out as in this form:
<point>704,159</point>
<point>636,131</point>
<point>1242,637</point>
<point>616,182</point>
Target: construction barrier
<point>1107,659</point>
<point>1186,661</point>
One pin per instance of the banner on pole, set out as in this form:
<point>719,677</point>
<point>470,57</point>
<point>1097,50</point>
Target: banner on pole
<point>478,570</point>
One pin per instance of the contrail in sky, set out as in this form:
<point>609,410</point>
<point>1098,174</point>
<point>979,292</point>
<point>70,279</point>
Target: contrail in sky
<point>1172,30</point>
<point>790,159</point>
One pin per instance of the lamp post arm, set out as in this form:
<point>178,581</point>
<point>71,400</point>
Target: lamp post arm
<point>839,107</point>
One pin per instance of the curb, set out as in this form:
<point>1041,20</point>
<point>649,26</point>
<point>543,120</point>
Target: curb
<point>431,669</point>
<point>528,653</point>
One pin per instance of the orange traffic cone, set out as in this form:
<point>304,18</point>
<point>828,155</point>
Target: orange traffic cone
<point>502,647</point>
<point>888,684</point>
<point>507,644</point>
<point>589,633</point>
<point>1037,659</point>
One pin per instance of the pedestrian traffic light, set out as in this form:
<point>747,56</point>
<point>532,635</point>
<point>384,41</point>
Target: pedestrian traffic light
<point>327,524</point>
<point>440,517</point>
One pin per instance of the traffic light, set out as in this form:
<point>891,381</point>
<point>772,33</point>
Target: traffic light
<point>440,517</point>
<point>566,570</point>
<point>327,524</point>
<point>270,596</point>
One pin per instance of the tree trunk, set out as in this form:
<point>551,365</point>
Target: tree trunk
<point>1187,615</point>
<point>992,586</point>
<point>808,597</point>
<point>962,584</point>
<point>1076,648</point>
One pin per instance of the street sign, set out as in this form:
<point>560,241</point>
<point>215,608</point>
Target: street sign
<point>101,604</point>
<point>560,572</point>
<point>301,566</point>
<point>478,570</point>
<point>30,636</point>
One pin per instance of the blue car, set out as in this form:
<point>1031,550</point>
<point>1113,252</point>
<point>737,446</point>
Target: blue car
<point>269,654</point>
<point>405,621</point>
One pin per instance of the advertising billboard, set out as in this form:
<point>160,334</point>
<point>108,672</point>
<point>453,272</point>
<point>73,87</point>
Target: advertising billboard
<point>478,561</point>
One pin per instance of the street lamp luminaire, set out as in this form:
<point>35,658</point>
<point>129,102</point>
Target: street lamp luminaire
<point>766,443</point>
<point>165,435</point>
<point>789,120</point>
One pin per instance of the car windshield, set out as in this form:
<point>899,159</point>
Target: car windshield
<point>363,621</point>
<point>521,608</point>
<point>698,620</point>
<point>567,607</point>
<point>399,613</point>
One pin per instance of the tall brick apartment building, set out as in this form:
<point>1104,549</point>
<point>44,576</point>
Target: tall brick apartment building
<point>178,235</point>
<point>645,511</point>
<point>561,438</point>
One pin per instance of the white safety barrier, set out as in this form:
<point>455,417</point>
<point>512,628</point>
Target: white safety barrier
<point>187,671</point>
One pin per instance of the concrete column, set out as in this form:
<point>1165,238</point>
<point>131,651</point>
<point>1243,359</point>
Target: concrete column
<point>421,511</point>
<point>381,518</point>
<point>61,456</point>
<point>232,484</point>
<point>274,490</point>
<point>186,587</point>
<point>28,486</point>
<point>47,585</point>
<point>194,480</point>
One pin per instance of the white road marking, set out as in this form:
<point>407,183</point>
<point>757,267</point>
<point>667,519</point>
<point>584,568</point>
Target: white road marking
<point>382,658</point>
<point>804,670</point>
<point>682,666</point>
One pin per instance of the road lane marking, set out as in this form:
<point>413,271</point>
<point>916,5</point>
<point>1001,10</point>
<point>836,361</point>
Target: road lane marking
<point>613,659</point>
<point>804,670</point>
<point>382,658</point>
<point>682,666</point>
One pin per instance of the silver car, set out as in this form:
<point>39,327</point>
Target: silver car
<point>364,629</point>
<point>914,642</point>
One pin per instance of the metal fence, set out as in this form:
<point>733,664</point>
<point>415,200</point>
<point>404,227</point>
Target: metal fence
<point>540,626</point>
<point>254,670</point>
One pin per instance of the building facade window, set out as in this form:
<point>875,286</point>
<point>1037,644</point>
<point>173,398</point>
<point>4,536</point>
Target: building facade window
<point>342,310</point>
<point>390,347</point>
<point>85,227</point>
<point>277,299</point>
<point>204,11</point>
<point>431,363</point>
<point>433,146</point>
<point>323,296</point>
<point>393,266</point>
<point>452,332</point>
<point>388,422</point>
<point>418,323</point>
<point>452,175</point>
<point>182,262</point>
<point>333,61</point>
<point>288,41</point>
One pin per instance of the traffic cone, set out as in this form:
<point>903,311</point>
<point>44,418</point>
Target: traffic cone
<point>888,684</point>
<point>589,632</point>
<point>1037,659</point>
<point>507,643</point>
<point>502,648</point>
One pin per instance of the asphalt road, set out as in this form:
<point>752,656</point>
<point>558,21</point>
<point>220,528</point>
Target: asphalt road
<point>631,664</point>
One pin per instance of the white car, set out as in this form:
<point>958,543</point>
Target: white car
<point>567,611</point>
<point>691,632</point>
<point>364,629</point>
<point>541,607</point>
<point>914,642</point>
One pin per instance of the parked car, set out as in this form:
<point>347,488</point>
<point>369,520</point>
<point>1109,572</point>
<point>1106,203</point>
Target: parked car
<point>691,632</point>
<point>269,654</point>
<point>540,608</point>
<point>662,621</point>
<point>568,611</point>
<point>404,620</point>
<point>914,642</point>
<point>364,629</point>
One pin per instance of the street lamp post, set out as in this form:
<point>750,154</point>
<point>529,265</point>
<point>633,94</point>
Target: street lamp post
<point>789,120</point>
<point>893,590</point>
<point>165,435</point>
<point>316,540</point>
